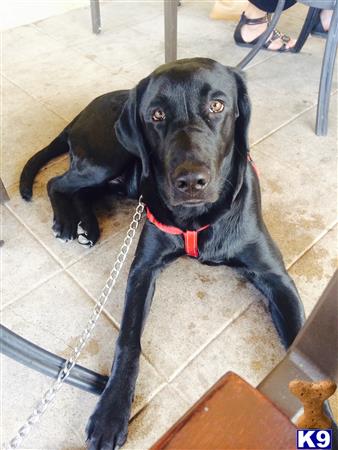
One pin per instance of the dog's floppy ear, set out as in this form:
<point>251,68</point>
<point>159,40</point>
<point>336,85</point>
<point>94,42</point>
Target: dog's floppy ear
<point>129,129</point>
<point>241,129</point>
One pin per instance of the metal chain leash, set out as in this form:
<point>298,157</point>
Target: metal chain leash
<point>50,394</point>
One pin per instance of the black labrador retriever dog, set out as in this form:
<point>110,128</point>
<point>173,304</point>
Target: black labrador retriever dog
<point>179,139</point>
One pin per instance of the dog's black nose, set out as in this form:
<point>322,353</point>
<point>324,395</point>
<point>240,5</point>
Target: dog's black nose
<point>192,182</point>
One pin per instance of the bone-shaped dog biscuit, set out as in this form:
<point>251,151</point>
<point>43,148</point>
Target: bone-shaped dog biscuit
<point>312,395</point>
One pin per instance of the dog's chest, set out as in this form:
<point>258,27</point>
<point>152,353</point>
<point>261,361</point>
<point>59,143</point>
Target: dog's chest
<point>218,245</point>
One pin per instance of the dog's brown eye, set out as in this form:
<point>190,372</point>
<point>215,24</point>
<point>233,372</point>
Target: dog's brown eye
<point>216,106</point>
<point>158,115</point>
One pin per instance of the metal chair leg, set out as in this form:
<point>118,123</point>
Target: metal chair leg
<point>96,16</point>
<point>170,30</point>
<point>326,76</point>
<point>310,20</point>
<point>261,41</point>
<point>37,358</point>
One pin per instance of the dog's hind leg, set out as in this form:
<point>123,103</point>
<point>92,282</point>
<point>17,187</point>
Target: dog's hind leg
<point>67,214</point>
<point>88,231</point>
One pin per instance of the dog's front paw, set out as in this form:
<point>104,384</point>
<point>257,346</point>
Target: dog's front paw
<point>107,429</point>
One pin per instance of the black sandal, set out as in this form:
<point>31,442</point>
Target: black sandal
<point>275,34</point>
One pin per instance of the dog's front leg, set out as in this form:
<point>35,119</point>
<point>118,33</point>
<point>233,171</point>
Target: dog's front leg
<point>107,427</point>
<point>264,267</point>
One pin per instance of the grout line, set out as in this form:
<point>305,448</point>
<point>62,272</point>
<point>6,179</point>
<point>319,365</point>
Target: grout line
<point>35,98</point>
<point>160,374</point>
<point>117,326</point>
<point>32,233</point>
<point>63,264</point>
<point>93,299</point>
<point>159,389</point>
<point>121,26</point>
<point>252,64</point>
<point>312,244</point>
<point>148,399</point>
<point>99,244</point>
<point>181,395</point>
<point>284,124</point>
<point>31,289</point>
<point>206,344</point>
<point>80,52</point>
<point>51,163</point>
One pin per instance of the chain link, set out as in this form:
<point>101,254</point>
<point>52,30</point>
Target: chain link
<point>50,394</point>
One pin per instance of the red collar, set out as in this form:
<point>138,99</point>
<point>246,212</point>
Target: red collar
<point>252,162</point>
<point>190,237</point>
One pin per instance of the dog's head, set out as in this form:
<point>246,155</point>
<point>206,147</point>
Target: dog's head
<point>188,123</point>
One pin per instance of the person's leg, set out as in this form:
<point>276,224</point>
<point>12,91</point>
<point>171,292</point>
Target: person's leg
<point>254,22</point>
<point>325,18</point>
<point>255,10</point>
<point>322,23</point>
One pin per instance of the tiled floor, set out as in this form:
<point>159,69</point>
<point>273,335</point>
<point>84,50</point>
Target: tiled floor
<point>52,69</point>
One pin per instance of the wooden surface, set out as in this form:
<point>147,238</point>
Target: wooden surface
<point>231,415</point>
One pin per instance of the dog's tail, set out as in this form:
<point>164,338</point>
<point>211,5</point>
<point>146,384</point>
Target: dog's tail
<point>34,164</point>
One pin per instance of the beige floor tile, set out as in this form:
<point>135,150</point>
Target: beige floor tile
<point>314,270</point>
<point>25,263</point>
<point>186,24</point>
<point>276,96</point>
<point>249,347</point>
<point>203,299</point>
<point>293,187</point>
<point>121,49</point>
<point>137,71</point>
<point>71,101</point>
<point>298,11</point>
<point>40,317</point>
<point>162,412</point>
<point>21,389</point>
<point>196,8</point>
<point>296,146</point>
<point>25,43</point>
<point>216,41</point>
<point>27,127</point>
<point>115,15</point>
<point>76,25</point>
<point>53,315</point>
<point>292,19</point>
<point>55,73</point>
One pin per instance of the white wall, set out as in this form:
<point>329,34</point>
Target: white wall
<point>20,12</point>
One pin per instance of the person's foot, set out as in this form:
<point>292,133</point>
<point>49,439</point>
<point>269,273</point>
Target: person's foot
<point>250,32</point>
